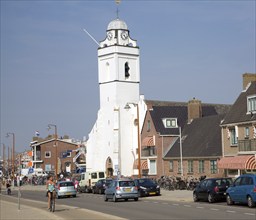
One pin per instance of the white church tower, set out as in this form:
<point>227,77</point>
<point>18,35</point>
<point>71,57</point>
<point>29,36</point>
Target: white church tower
<point>113,142</point>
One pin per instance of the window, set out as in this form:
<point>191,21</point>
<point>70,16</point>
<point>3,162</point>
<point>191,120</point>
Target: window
<point>213,164</point>
<point>148,126</point>
<point>201,166</point>
<point>246,132</point>
<point>47,154</point>
<point>171,165</point>
<point>251,104</point>
<point>190,166</point>
<point>170,122</point>
<point>233,137</point>
<point>152,166</point>
<point>179,166</point>
<point>68,154</point>
<point>126,69</point>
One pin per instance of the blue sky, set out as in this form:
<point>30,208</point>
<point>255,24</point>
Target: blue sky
<point>49,65</point>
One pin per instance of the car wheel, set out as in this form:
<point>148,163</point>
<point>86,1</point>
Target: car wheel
<point>105,198</point>
<point>114,198</point>
<point>229,200</point>
<point>195,197</point>
<point>125,199</point>
<point>136,199</point>
<point>74,195</point>
<point>210,198</point>
<point>250,202</point>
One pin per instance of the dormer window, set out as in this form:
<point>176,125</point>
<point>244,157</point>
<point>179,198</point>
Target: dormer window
<point>251,104</point>
<point>170,122</point>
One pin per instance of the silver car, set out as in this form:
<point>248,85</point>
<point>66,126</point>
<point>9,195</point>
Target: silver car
<point>65,188</point>
<point>122,189</point>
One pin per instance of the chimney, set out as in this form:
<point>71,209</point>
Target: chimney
<point>247,78</point>
<point>194,109</point>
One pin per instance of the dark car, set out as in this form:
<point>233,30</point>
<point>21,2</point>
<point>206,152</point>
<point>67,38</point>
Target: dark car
<point>243,190</point>
<point>147,187</point>
<point>101,185</point>
<point>212,189</point>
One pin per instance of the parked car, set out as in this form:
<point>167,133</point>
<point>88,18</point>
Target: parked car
<point>65,188</point>
<point>243,190</point>
<point>122,189</point>
<point>212,189</point>
<point>147,187</point>
<point>100,186</point>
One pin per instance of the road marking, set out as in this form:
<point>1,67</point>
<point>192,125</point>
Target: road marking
<point>187,205</point>
<point>156,202</point>
<point>200,207</point>
<point>175,204</point>
<point>231,211</point>
<point>249,213</point>
<point>213,209</point>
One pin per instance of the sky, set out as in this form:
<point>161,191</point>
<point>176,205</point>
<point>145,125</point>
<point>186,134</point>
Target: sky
<point>49,69</point>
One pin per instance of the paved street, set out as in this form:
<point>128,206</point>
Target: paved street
<point>171,205</point>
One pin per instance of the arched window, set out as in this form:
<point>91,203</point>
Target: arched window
<point>126,70</point>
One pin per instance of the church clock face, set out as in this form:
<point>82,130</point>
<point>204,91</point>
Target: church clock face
<point>124,35</point>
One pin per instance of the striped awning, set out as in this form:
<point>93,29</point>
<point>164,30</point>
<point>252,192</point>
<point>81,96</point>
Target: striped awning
<point>143,164</point>
<point>243,162</point>
<point>148,141</point>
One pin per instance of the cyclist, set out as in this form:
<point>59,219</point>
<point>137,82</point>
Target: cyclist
<point>50,187</point>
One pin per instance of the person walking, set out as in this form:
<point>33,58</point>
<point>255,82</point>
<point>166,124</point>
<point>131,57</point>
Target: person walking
<point>50,187</point>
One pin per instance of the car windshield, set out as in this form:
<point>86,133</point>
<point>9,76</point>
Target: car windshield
<point>126,183</point>
<point>221,182</point>
<point>66,184</point>
<point>146,182</point>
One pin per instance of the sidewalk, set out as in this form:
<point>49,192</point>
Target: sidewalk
<point>37,210</point>
<point>9,210</point>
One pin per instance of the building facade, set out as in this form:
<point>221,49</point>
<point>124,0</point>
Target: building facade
<point>113,142</point>
<point>239,132</point>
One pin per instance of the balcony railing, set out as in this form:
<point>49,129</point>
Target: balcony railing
<point>149,151</point>
<point>247,145</point>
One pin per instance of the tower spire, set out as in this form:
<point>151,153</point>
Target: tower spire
<point>117,9</point>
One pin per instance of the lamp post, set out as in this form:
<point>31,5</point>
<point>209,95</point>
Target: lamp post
<point>127,106</point>
<point>181,156</point>
<point>56,157</point>
<point>13,151</point>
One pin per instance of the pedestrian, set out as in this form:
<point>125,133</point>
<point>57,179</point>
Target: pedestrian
<point>50,187</point>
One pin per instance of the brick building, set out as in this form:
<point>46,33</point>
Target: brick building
<point>52,153</point>
<point>201,138</point>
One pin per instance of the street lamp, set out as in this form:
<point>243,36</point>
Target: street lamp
<point>181,156</point>
<point>127,106</point>
<point>13,150</point>
<point>56,157</point>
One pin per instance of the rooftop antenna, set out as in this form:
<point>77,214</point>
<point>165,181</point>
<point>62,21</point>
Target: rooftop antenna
<point>117,9</point>
<point>91,36</point>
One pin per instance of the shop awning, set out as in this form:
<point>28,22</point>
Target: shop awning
<point>243,162</point>
<point>148,141</point>
<point>143,164</point>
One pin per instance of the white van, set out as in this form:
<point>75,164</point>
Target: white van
<point>88,180</point>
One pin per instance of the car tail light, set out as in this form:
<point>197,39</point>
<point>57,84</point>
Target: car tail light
<point>117,188</point>
<point>254,189</point>
<point>216,189</point>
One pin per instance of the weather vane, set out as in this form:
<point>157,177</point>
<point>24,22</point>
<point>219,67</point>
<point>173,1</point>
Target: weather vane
<point>117,10</point>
